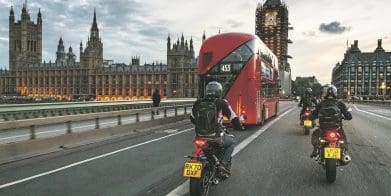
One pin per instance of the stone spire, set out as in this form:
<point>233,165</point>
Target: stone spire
<point>94,28</point>
<point>168,43</point>
<point>94,24</point>
<point>182,41</point>
<point>39,18</point>
<point>12,15</point>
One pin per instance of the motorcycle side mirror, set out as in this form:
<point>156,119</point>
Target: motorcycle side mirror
<point>350,109</point>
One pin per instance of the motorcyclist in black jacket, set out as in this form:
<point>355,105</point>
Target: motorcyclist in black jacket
<point>214,91</point>
<point>330,98</point>
<point>307,100</point>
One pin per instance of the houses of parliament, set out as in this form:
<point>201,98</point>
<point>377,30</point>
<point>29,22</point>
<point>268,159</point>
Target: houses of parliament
<point>92,78</point>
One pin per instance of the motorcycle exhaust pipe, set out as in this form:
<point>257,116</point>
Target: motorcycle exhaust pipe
<point>346,159</point>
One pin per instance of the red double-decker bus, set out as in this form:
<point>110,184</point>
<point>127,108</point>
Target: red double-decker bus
<point>248,71</point>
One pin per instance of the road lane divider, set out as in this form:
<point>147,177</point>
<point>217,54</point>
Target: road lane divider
<point>90,159</point>
<point>370,113</point>
<point>183,189</point>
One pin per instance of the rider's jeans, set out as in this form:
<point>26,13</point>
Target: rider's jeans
<point>229,145</point>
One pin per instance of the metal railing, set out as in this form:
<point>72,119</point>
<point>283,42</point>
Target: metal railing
<point>31,111</point>
<point>68,120</point>
<point>375,102</point>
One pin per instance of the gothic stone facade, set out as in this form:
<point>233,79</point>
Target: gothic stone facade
<point>181,67</point>
<point>271,26</point>
<point>92,77</point>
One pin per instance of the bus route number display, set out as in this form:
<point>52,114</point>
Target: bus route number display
<point>226,67</point>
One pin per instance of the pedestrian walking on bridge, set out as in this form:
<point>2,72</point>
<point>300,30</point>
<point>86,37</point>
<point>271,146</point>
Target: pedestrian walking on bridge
<point>156,101</point>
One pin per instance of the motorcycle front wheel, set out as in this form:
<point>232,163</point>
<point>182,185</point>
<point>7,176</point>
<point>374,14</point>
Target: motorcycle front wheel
<point>200,186</point>
<point>331,170</point>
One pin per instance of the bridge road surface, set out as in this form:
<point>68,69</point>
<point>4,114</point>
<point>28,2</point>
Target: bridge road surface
<point>275,163</point>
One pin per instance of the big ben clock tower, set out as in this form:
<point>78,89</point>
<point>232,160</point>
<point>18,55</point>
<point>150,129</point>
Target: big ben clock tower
<point>272,25</point>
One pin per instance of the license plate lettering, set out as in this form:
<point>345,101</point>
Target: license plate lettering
<point>192,170</point>
<point>307,123</point>
<point>332,153</point>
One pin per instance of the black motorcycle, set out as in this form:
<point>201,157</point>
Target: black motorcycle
<point>203,167</point>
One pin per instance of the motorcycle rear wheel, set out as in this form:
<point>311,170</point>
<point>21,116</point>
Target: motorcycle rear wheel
<point>306,130</point>
<point>200,186</point>
<point>331,170</point>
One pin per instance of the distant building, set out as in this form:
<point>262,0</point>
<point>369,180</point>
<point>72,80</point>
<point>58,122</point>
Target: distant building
<point>92,77</point>
<point>364,74</point>
<point>302,83</point>
<point>311,80</point>
<point>181,68</point>
<point>272,27</point>
<point>25,40</point>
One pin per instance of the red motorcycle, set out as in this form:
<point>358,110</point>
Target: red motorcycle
<point>306,119</point>
<point>332,153</point>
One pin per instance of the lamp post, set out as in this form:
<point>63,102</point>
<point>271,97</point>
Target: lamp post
<point>383,87</point>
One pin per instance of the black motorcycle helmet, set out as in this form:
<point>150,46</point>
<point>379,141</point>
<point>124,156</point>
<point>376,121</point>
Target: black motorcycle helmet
<point>214,89</point>
<point>330,92</point>
<point>308,91</point>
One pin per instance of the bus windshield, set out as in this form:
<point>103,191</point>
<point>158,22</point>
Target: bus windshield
<point>227,70</point>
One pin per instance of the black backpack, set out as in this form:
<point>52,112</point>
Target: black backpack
<point>205,115</point>
<point>307,100</point>
<point>330,115</point>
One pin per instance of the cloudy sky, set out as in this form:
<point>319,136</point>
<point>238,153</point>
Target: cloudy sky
<point>140,27</point>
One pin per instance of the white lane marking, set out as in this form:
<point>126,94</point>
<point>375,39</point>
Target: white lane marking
<point>372,113</point>
<point>89,160</point>
<point>384,111</point>
<point>170,131</point>
<point>183,189</point>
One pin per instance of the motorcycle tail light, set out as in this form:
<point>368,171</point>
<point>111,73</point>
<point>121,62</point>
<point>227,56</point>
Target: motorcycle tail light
<point>200,142</point>
<point>332,135</point>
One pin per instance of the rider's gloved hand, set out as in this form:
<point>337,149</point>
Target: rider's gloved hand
<point>236,124</point>
<point>192,120</point>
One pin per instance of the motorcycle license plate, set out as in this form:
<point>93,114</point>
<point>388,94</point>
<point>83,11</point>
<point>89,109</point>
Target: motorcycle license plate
<point>332,153</point>
<point>307,123</point>
<point>192,169</point>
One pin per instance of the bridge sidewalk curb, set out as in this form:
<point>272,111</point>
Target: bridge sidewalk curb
<point>12,152</point>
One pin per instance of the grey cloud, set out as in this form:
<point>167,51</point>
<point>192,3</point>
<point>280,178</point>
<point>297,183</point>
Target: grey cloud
<point>154,31</point>
<point>3,39</point>
<point>309,33</point>
<point>333,28</point>
<point>233,23</point>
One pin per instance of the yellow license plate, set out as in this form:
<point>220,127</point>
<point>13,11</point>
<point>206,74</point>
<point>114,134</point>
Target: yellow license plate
<point>307,123</point>
<point>332,153</point>
<point>192,170</point>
